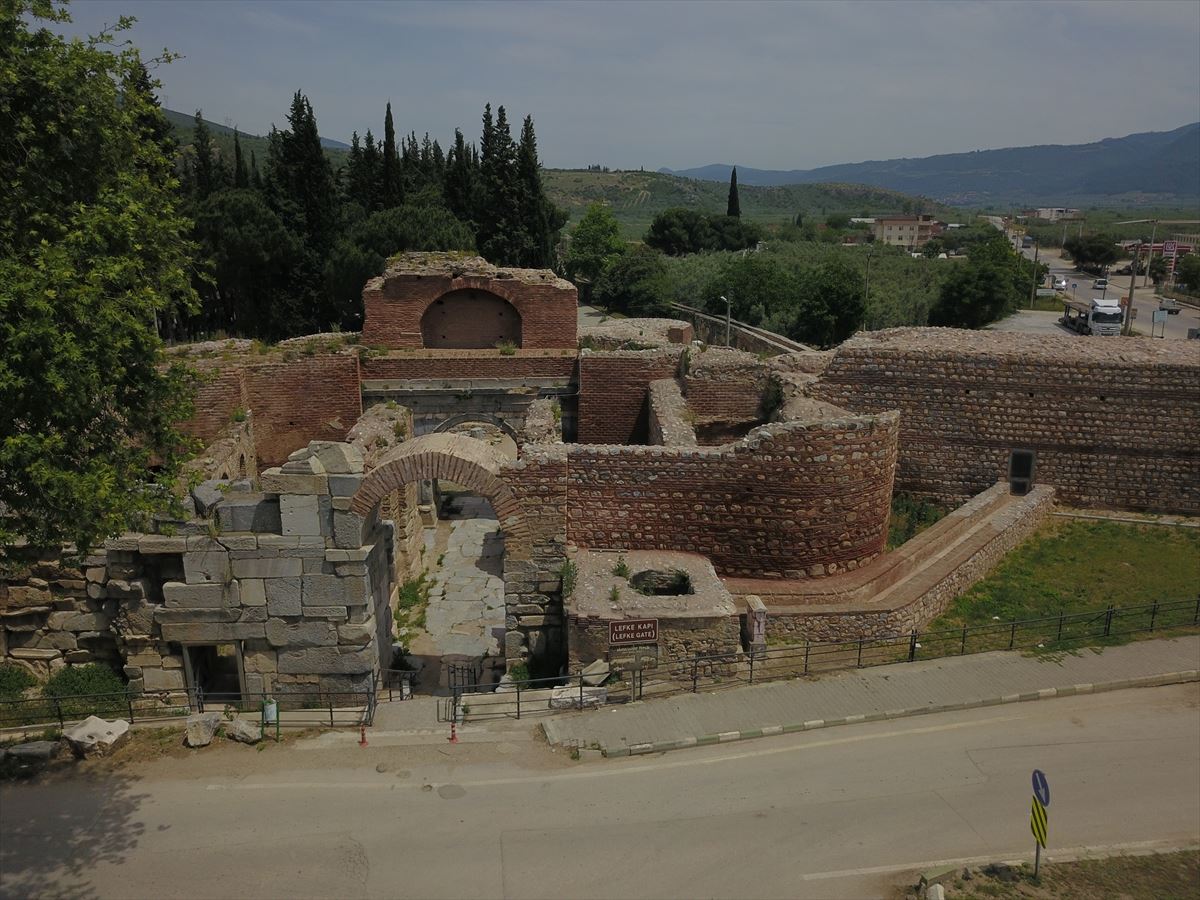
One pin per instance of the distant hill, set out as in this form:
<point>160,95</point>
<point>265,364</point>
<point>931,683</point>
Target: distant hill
<point>637,197</point>
<point>1156,167</point>
<point>184,125</point>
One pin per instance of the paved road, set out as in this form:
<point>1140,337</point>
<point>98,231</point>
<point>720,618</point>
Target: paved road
<point>1145,301</point>
<point>844,813</point>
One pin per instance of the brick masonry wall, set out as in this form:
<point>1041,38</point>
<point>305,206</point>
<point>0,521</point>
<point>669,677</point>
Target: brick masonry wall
<point>726,386</point>
<point>670,419</point>
<point>308,399</point>
<point>787,501</point>
<point>220,394</point>
<point>396,303</point>
<point>428,365</point>
<point>1110,429</point>
<point>613,393</point>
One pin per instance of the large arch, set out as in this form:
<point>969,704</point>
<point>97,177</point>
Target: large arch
<point>470,319</point>
<point>457,458</point>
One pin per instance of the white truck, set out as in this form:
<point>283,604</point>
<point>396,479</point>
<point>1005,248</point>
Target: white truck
<point>1099,316</point>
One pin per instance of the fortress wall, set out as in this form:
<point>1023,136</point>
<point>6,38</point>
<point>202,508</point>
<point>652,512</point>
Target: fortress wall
<point>1114,423</point>
<point>788,501</point>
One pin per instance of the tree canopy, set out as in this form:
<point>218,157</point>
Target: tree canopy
<point>595,243</point>
<point>680,230</point>
<point>93,254</point>
<point>1092,250</point>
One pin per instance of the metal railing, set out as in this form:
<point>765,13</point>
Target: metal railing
<point>295,709</point>
<point>722,670</point>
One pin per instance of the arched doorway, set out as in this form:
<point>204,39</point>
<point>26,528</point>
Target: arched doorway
<point>470,319</point>
<point>454,612</point>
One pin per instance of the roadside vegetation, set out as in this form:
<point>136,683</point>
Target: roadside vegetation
<point>44,703</point>
<point>1075,566</point>
<point>1149,877</point>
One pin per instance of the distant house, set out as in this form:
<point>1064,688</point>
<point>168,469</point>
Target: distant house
<point>910,231</point>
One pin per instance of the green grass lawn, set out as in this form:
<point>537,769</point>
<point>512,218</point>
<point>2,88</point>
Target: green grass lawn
<point>1073,567</point>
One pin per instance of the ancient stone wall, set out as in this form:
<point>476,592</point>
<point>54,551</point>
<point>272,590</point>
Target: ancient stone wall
<point>726,389</point>
<point>543,422</point>
<point>432,365</point>
<point>791,500</point>
<point>396,302</point>
<point>306,399</point>
<point>671,421</point>
<point>1114,423</point>
<point>220,400</point>
<point>613,387</point>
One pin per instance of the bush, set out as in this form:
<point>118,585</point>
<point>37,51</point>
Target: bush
<point>90,679</point>
<point>14,680</point>
<point>634,284</point>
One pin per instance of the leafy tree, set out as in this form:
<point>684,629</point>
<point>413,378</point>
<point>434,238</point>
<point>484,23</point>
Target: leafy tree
<point>93,254</point>
<point>1092,250</point>
<point>595,243</point>
<point>733,207</point>
<point>1158,270</point>
<point>634,284</point>
<point>1187,272</point>
<point>837,221</point>
<point>975,294</point>
<point>363,251</point>
<point>678,231</point>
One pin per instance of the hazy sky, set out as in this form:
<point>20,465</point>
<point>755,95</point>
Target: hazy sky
<point>625,84</point>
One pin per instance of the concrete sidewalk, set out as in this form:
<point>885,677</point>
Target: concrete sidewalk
<point>884,692</point>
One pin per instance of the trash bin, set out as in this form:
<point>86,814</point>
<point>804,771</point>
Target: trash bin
<point>270,711</point>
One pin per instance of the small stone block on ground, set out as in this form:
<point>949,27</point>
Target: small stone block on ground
<point>202,728</point>
<point>248,731</point>
<point>96,737</point>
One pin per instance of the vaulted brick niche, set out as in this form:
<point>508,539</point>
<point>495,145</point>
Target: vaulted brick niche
<point>470,320</point>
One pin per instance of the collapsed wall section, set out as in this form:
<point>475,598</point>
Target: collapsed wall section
<point>1113,422</point>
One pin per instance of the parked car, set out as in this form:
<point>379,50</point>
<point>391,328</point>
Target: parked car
<point>1171,307</point>
<point>1060,284</point>
<point>1100,284</point>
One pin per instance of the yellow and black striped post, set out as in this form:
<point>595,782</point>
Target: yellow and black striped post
<point>1037,824</point>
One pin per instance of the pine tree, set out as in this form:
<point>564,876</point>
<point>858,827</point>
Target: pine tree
<point>372,179</point>
<point>241,178</point>
<point>735,207</point>
<point>391,187</point>
<point>499,234</point>
<point>205,173</point>
<point>460,180</point>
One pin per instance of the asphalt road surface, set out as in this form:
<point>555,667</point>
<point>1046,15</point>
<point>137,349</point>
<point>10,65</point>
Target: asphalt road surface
<point>1145,301</point>
<point>846,812</point>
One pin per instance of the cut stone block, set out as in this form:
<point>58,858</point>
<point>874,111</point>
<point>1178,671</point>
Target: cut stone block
<point>348,529</point>
<point>35,751</point>
<point>95,737</point>
<point>322,590</point>
<point>344,485</point>
<point>275,481</point>
<point>299,514</point>
<point>212,632</point>
<point>337,458</point>
<point>194,596</point>
<point>301,634</point>
<point>267,568</point>
<point>162,679</point>
<point>253,591</point>
<point>200,566</point>
<point>568,697</point>
<point>249,512</point>
<point>158,543</point>
<point>207,494</point>
<point>283,596</point>
<point>248,731</point>
<point>327,661</point>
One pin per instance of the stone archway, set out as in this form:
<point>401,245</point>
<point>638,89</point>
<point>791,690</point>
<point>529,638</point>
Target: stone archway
<point>457,458</point>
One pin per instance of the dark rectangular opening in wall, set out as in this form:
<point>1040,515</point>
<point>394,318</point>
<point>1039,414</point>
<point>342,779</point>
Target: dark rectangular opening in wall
<point>1021,465</point>
<point>215,670</point>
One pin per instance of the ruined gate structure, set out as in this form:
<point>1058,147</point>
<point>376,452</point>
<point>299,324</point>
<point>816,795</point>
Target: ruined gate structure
<point>764,481</point>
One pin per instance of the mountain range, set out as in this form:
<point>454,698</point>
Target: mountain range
<point>1155,167</point>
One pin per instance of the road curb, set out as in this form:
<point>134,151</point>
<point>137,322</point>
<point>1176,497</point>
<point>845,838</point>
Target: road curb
<point>1074,690</point>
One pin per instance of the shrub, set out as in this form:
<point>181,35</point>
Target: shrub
<point>14,680</point>
<point>519,671</point>
<point>621,569</point>
<point>90,679</point>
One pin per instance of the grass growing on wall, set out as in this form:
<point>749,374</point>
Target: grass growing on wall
<point>910,516</point>
<point>1079,566</point>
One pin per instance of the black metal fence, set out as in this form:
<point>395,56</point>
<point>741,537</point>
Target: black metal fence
<point>722,670</point>
<point>293,709</point>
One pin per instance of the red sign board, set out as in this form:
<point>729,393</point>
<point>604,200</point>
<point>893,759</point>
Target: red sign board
<point>633,631</point>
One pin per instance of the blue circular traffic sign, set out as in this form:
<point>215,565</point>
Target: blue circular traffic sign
<point>1041,787</point>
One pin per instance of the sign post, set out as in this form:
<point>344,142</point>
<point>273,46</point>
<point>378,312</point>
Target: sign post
<point>1038,820</point>
<point>632,631</point>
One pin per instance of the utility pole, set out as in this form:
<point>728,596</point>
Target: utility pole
<point>1150,255</point>
<point>1128,328</point>
<point>1033,280</point>
<point>867,287</point>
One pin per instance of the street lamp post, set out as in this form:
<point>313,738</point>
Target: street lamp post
<point>1033,278</point>
<point>727,320</point>
<point>867,285</point>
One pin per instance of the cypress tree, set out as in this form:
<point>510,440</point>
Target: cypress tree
<point>372,179</point>
<point>241,178</point>
<point>391,186</point>
<point>204,171</point>
<point>459,181</point>
<point>255,178</point>
<point>539,219</point>
<point>735,207</point>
